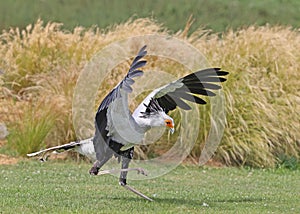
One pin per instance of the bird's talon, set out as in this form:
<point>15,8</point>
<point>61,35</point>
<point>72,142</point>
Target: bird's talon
<point>94,171</point>
<point>122,182</point>
<point>142,171</point>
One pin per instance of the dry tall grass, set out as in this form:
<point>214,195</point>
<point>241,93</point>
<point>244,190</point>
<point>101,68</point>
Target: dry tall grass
<point>42,63</point>
<point>262,93</point>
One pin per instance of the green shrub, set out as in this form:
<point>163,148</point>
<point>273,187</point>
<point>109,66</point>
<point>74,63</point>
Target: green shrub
<point>31,129</point>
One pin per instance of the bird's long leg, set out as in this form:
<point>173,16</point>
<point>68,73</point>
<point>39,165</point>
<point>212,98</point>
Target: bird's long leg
<point>126,158</point>
<point>98,164</point>
<point>103,153</point>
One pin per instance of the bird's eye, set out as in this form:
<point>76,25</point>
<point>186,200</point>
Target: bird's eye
<point>168,123</point>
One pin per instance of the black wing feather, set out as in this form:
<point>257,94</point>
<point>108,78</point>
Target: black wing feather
<point>137,65</point>
<point>127,81</point>
<point>189,97</point>
<point>135,73</point>
<point>179,102</point>
<point>207,72</point>
<point>167,103</point>
<point>198,91</point>
<point>195,84</point>
<point>142,52</point>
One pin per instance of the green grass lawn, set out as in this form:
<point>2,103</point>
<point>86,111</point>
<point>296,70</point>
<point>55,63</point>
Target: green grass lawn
<point>56,187</point>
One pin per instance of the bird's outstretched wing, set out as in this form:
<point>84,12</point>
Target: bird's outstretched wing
<point>177,92</point>
<point>101,119</point>
<point>127,81</point>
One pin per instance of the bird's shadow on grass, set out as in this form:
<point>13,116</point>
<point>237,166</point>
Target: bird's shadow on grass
<point>160,200</point>
<point>190,202</point>
<point>239,200</point>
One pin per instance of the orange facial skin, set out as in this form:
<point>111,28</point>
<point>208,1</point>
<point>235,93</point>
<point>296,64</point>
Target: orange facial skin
<point>169,123</point>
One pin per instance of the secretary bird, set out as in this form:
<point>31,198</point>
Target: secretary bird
<point>118,130</point>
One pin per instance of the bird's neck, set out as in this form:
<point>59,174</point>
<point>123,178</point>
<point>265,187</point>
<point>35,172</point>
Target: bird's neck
<point>146,123</point>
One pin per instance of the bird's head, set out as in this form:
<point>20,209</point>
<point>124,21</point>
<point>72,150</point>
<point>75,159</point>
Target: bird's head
<point>155,116</point>
<point>168,122</point>
<point>158,119</point>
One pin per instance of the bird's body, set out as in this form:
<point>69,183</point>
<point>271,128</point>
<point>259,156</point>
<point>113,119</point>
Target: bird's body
<point>117,130</point>
<point>86,148</point>
<point>116,127</point>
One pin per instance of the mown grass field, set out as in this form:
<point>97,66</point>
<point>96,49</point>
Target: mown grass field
<point>56,187</point>
<point>217,15</point>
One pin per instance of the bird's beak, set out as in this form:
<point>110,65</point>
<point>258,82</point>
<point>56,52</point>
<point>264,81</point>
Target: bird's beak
<point>170,124</point>
<point>172,130</point>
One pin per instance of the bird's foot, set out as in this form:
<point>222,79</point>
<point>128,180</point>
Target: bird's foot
<point>43,159</point>
<point>122,181</point>
<point>141,171</point>
<point>94,170</point>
